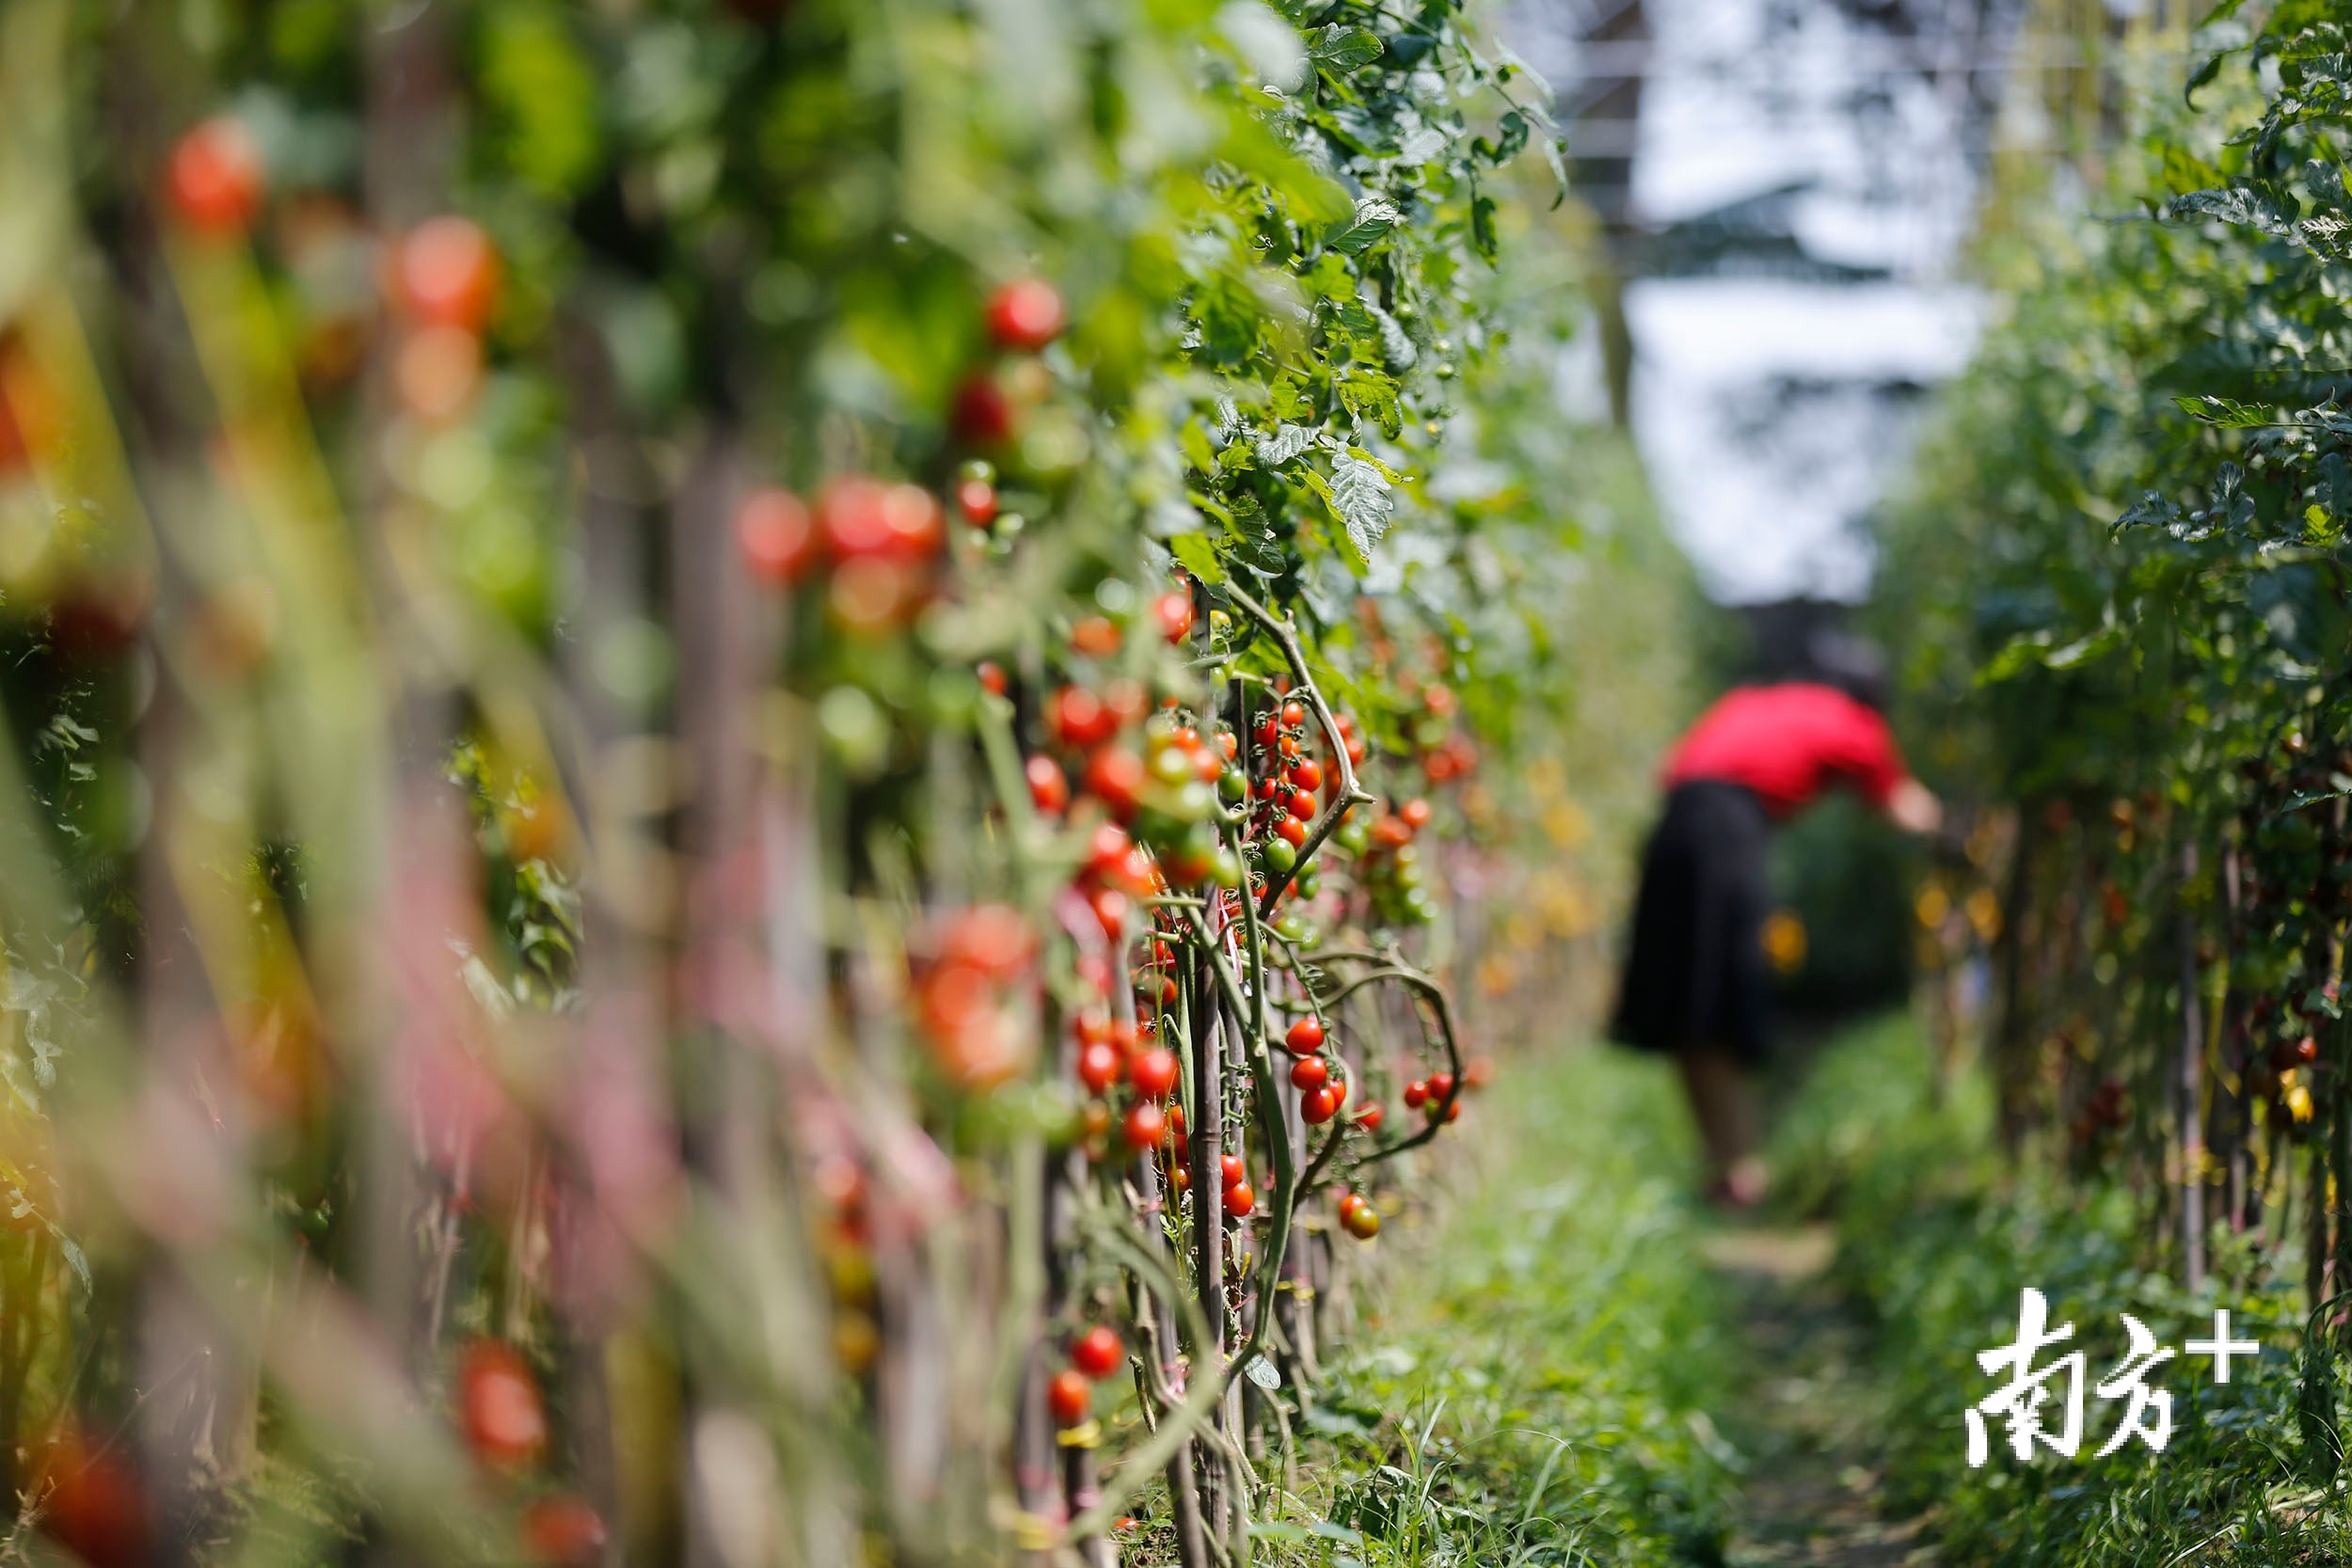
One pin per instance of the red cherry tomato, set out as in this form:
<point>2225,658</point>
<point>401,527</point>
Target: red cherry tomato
<point>1145,1125</point>
<point>1240,1200</point>
<point>564,1532</point>
<point>1307,773</point>
<point>1229,1169</point>
<point>215,178</point>
<point>1310,1072</point>
<point>1441,1084</point>
<point>976,499</point>
<point>1174,610</point>
<point>448,273</point>
<point>1099,1067</point>
<point>1048,789</point>
<point>1317,1106</point>
<point>1154,1073</point>
<point>498,1402</point>
<point>1302,806</point>
<point>1110,910</point>
<point>1094,1027</point>
<point>1371,1117</point>
<point>1305,1038</point>
<point>1069,1397</point>
<point>992,676</point>
<point>861,518</point>
<point>1106,850</point>
<point>1291,830</point>
<point>776,535</point>
<point>1415,813</point>
<point>1097,1353</point>
<point>1115,776</point>
<point>1415,1093</point>
<point>1294,715</point>
<point>1025,315</point>
<point>980,413</point>
<point>1079,720</point>
<point>95,1507</point>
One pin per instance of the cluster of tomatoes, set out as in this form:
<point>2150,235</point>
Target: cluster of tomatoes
<point>982,965</point>
<point>1094,1355</point>
<point>1111,1052</point>
<point>879,543</point>
<point>1389,864</point>
<point>505,1423</point>
<point>1446,752</point>
<point>441,277</point>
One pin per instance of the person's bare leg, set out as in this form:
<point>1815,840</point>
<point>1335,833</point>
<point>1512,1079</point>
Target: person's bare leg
<point>1724,1103</point>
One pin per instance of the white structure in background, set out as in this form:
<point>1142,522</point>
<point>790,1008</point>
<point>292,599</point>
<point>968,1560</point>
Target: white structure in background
<point>1770,412</point>
<point>1804,169</point>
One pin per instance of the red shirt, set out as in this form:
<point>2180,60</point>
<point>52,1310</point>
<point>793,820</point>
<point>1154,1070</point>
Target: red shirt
<point>1789,743</point>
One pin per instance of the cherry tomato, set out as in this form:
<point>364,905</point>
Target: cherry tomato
<point>1230,1169</point>
<point>1110,910</point>
<point>448,273</point>
<point>992,676</point>
<point>1416,1094</point>
<point>1441,1084</point>
<point>1069,1397</point>
<point>1094,1027</point>
<point>980,413</point>
<point>1048,787</point>
<point>498,1402</point>
<point>1363,1222</point>
<point>1302,806</point>
<point>1098,1352</point>
<point>1305,1038</point>
<point>1307,773</point>
<point>1097,636</point>
<point>1078,718</point>
<point>1415,813</point>
<point>95,1507</point>
<point>1145,1125</point>
<point>1294,714</point>
<point>862,518</point>
<point>1106,850</point>
<point>215,178</point>
<point>1317,1106</point>
<point>976,498</point>
<point>1292,832</point>
<point>1310,1072</point>
<point>1240,1200</point>
<point>563,1531</point>
<point>1371,1117</point>
<point>1174,610</point>
<point>1154,1073</point>
<point>777,538</point>
<point>1099,1067</point>
<point>1025,315</point>
<point>1115,776</point>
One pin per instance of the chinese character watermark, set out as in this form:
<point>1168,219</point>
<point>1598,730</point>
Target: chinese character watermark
<point>2033,1400</point>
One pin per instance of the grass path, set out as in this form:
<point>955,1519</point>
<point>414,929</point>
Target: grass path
<point>1805,1411</point>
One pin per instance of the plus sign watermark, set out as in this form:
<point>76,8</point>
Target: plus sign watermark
<point>2040,1404</point>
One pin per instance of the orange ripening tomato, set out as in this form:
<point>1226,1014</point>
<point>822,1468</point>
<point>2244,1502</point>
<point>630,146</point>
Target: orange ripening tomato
<point>564,1532</point>
<point>447,273</point>
<point>1069,1397</point>
<point>499,1404</point>
<point>776,536</point>
<point>215,180</point>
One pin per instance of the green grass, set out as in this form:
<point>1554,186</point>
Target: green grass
<point>1938,1233</point>
<point>1534,1388</point>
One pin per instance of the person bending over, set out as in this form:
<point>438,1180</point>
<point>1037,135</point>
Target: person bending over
<point>1695,980</point>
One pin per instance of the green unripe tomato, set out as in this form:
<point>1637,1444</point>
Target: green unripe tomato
<point>1226,871</point>
<point>1280,856</point>
<point>1232,786</point>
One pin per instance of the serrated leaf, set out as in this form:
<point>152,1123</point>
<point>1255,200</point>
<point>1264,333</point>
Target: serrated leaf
<point>1345,48</point>
<point>2225,413</point>
<point>1373,219</point>
<point>1359,494</point>
<point>1287,442</point>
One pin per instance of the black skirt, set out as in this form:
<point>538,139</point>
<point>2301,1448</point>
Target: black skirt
<point>1695,974</point>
